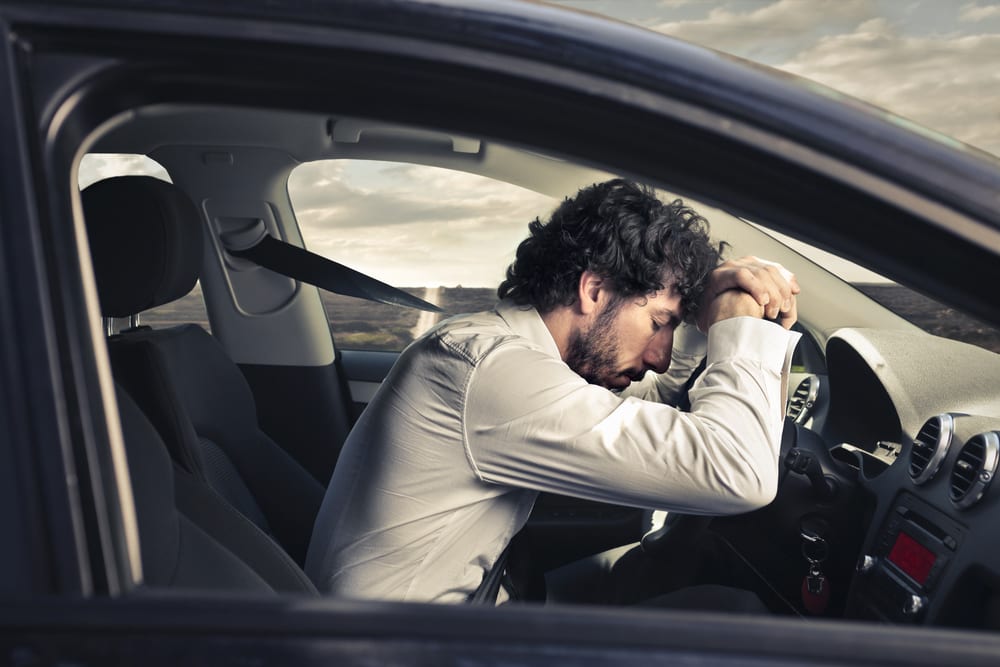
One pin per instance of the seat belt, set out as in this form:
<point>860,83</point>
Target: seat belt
<point>489,588</point>
<point>258,246</point>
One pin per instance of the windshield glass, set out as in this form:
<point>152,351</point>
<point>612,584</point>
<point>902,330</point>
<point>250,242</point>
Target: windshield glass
<point>933,316</point>
<point>929,314</point>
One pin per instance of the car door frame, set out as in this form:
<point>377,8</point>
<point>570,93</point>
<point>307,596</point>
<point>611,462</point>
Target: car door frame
<point>66,390</point>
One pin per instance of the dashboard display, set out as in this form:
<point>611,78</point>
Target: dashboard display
<point>913,558</point>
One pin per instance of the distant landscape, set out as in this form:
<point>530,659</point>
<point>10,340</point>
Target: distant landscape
<point>933,317</point>
<point>359,324</point>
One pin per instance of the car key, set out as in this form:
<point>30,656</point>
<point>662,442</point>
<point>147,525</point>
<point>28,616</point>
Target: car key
<point>815,587</point>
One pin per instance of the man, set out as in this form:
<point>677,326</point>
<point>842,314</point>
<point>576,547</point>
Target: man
<point>488,409</point>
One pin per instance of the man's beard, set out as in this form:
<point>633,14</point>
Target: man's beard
<point>593,354</point>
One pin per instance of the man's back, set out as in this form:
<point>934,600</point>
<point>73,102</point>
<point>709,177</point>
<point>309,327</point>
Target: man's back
<point>407,517</point>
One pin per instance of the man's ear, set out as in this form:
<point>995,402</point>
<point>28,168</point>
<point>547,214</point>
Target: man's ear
<point>589,292</point>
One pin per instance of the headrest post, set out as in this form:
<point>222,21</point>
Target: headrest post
<point>133,321</point>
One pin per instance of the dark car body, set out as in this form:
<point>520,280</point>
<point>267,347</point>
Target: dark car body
<point>824,169</point>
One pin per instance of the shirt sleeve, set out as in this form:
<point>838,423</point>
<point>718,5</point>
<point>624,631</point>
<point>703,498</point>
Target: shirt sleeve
<point>531,422</point>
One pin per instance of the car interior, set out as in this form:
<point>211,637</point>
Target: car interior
<point>231,478</point>
<point>891,436</point>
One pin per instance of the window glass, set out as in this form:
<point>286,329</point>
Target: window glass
<point>933,316</point>
<point>99,166</point>
<point>442,235</point>
<point>96,167</point>
<point>447,237</point>
<point>929,314</point>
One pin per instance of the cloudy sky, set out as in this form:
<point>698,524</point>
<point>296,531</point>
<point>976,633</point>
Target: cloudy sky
<point>410,225</point>
<point>935,62</point>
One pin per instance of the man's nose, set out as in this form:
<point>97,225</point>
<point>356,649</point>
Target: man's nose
<point>656,356</point>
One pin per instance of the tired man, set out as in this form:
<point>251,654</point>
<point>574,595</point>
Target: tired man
<point>488,409</point>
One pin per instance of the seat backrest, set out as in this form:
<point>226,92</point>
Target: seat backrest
<point>197,398</point>
<point>176,553</point>
<point>146,242</point>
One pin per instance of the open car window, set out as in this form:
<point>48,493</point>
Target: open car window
<point>446,236</point>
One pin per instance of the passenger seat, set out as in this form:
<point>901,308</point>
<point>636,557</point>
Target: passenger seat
<point>178,553</point>
<point>146,243</point>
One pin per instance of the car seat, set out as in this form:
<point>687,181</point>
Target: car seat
<point>146,243</point>
<point>176,551</point>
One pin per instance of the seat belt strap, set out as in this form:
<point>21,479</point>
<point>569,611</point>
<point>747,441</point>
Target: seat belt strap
<point>294,262</point>
<point>489,588</point>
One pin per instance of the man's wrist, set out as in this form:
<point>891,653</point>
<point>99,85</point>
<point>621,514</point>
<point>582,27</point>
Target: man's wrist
<point>727,305</point>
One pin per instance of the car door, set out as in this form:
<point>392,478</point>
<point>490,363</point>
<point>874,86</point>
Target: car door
<point>601,94</point>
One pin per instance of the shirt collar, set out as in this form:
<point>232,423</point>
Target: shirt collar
<point>527,323</point>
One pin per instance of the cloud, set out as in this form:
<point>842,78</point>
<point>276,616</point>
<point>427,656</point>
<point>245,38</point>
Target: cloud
<point>945,82</point>
<point>413,225</point>
<point>412,255</point>
<point>99,166</point>
<point>676,4</point>
<point>772,32</point>
<point>401,194</point>
<point>971,13</point>
<point>918,65</point>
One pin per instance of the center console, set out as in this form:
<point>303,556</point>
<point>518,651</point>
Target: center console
<point>912,550</point>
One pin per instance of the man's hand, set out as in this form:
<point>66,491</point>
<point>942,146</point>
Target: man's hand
<point>771,286</point>
<point>731,303</point>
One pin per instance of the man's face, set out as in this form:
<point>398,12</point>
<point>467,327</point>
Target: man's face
<point>627,338</point>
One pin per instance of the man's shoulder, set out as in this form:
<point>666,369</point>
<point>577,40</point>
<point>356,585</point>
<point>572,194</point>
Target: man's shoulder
<point>473,335</point>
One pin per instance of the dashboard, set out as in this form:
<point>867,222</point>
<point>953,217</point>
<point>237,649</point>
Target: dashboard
<point>907,434</point>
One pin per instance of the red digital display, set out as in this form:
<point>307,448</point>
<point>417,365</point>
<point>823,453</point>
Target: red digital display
<point>913,558</point>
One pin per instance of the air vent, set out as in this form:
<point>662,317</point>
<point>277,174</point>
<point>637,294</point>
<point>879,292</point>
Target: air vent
<point>801,404</point>
<point>974,469</point>
<point>930,447</point>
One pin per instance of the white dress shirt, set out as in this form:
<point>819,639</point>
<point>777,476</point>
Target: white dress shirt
<point>481,414</point>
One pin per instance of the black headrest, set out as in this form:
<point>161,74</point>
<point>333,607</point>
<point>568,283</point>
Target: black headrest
<point>146,242</point>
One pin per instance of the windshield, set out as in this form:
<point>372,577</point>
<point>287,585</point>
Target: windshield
<point>929,314</point>
<point>933,316</point>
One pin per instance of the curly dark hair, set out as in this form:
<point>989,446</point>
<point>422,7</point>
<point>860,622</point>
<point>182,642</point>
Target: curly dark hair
<point>623,233</point>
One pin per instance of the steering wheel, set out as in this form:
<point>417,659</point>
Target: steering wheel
<point>682,529</point>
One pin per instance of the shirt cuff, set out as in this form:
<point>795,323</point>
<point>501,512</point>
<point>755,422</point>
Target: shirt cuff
<point>751,338</point>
